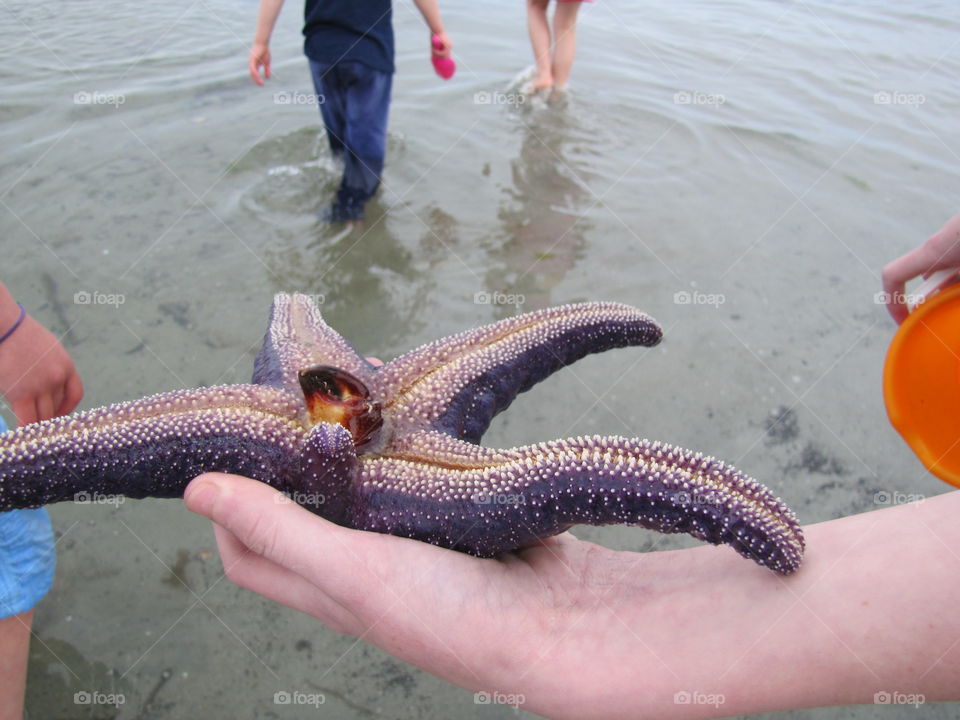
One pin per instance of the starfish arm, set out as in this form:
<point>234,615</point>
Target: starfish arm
<point>298,338</point>
<point>325,472</point>
<point>458,384</point>
<point>152,447</point>
<point>485,502</point>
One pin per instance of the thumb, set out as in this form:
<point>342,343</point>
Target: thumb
<point>264,519</point>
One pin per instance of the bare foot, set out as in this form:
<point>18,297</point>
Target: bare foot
<point>542,82</point>
<point>536,84</point>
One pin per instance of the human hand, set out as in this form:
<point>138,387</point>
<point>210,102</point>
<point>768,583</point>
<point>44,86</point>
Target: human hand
<point>37,376</point>
<point>568,629</point>
<point>940,251</point>
<point>446,47</point>
<point>441,610</point>
<point>259,57</point>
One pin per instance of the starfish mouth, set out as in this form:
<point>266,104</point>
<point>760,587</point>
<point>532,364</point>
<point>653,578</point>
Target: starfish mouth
<point>335,396</point>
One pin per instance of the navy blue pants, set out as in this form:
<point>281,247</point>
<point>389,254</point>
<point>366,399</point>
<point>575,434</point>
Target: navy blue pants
<point>356,101</point>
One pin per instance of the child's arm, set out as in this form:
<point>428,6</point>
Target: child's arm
<point>431,16</point>
<point>260,52</point>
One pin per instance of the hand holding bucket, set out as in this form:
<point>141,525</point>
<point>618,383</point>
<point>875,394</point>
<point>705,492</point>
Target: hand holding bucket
<point>921,377</point>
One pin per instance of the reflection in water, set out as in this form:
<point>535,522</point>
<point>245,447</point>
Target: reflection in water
<point>374,287</point>
<point>288,176</point>
<point>542,226</point>
<point>370,284</point>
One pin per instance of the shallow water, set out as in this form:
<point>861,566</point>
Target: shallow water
<point>738,155</point>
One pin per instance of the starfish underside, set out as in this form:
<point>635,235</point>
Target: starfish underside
<point>393,449</point>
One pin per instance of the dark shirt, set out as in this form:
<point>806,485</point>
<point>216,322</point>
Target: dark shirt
<point>360,30</point>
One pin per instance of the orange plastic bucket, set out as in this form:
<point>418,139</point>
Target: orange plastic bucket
<point>921,383</point>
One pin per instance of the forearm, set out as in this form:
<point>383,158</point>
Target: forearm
<point>266,20</point>
<point>871,611</point>
<point>431,15</point>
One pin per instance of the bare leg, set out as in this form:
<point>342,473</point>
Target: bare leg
<point>565,41</point>
<point>540,41</point>
<point>14,646</point>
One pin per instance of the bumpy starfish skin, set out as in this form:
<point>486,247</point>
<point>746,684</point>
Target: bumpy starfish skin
<point>477,499</point>
<point>146,448</point>
<point>392,449</point>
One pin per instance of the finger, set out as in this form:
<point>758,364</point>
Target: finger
<point>916,262</point>
<point>270,525</point>
<point>897,308</point>
<point>56,399</point>
<point>73,394</point>
<point>895,276</point>
<point>26,411</point>
<point>45,406</point>
<point>254,572</point>
<point>247,569</point>
<point>266,68</point>
<point>253,66</point>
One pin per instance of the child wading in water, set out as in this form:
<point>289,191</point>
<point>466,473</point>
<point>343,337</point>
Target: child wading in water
<point>350,48</point>
<point>553,67</point>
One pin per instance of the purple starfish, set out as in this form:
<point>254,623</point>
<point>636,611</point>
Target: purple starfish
<point>392,449</point>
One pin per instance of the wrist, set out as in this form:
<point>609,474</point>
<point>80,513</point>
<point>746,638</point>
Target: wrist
<point>21,316</point>
<point>9,310</point>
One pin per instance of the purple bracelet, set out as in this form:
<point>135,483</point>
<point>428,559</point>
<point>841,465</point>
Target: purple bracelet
<point>8,333</point>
